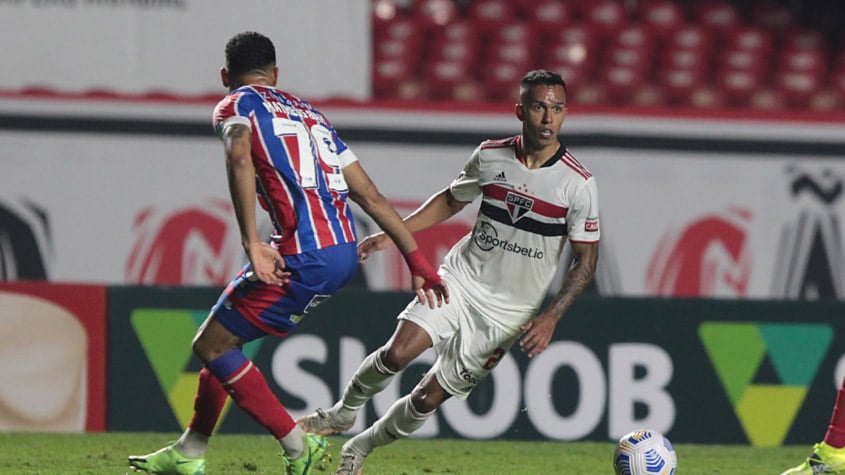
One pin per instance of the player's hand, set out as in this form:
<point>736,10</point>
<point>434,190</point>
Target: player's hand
<point>428,286</point>
<point>538,334</point>
<point>371,244</point>
<point>431,291</point>
<point>267,264</point>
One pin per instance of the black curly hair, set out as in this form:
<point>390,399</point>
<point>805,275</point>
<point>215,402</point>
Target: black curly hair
<point>249,51</point>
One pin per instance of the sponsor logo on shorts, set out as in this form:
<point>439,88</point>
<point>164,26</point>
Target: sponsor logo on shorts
<point>486,238</point>
<point>467,376</point>
<point>316,300</point>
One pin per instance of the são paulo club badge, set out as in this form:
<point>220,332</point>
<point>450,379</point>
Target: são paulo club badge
<point>194,245</point>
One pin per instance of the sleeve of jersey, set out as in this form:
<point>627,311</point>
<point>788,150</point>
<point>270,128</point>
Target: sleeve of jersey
<point>466,187</point>
<point>229,112</point>
<point>344,153</point>
<point>583,217</point>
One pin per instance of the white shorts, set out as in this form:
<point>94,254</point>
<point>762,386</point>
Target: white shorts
<point>468,344</point>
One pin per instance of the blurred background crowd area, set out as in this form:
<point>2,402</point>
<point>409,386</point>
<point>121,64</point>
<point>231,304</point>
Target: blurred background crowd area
<point>770,55</point>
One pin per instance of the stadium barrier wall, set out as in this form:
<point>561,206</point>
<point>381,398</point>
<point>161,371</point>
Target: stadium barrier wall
<point>690,207</point>
<point>763,373</point>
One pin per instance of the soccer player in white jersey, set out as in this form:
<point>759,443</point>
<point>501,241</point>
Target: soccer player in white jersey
<point>535,195</point>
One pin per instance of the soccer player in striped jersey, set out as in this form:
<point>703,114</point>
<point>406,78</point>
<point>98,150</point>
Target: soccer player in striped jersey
<point>535,195</point>
<point>283,151</point>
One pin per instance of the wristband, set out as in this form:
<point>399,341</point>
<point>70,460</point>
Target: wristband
<point>418,265</point>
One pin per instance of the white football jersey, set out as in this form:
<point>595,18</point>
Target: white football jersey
<point>506,264</point>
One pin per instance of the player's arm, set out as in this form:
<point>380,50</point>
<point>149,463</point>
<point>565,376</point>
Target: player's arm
<point>363,191</point>
<point>267,263</point>
<point>435,210</point>
<point>538,331</point>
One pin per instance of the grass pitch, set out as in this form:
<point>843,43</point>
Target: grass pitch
<point>105,453</point>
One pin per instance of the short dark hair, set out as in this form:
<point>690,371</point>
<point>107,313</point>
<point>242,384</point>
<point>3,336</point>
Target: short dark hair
<point>249,51</point>
<point>540,77</point>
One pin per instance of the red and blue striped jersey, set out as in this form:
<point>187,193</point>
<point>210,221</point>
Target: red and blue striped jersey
<point>298,159</point>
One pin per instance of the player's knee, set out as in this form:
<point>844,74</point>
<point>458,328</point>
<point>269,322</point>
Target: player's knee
<point>428,397</point>
<point>395,359</point>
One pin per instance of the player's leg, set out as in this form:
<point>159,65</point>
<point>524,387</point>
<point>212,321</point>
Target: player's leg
<point>403,418</point>
<point>414,333</point>
<point>828,456</point>
<point>186,455</point>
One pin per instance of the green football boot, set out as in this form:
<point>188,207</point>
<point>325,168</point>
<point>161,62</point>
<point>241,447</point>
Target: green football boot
<point>167,461</point>
<point>315,449</point>
<point>824,459</point>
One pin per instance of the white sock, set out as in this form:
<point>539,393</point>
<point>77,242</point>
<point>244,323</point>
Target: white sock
<point>369,379</point>
<point>399,422</point>
<point>192,444</point>
<point>293,444</point>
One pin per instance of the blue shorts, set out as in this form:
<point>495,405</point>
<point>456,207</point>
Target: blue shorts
<point>251,309</point>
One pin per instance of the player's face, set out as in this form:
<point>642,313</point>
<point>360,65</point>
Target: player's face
<point>542,112</point>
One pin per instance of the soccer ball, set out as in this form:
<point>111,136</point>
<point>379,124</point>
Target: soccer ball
<point>644,452</point>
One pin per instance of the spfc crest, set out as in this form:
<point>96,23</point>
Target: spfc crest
<point>518,205</point>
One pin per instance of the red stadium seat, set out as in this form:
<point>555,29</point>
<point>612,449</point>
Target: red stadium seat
<point>720,16</point>
<point>620,82</point>
<point>386,11</point>
<point>428,13</point>
<point>444,76</point>
<point>694,37</point>
<point>826,100</point>
<point>805,39</point>
<point>662,16</point>
<point>737,86</point>
<point>501,81</point>
<point>547,16</point>
<point>805,61</point>
<point>773,17</point>
<point>750,38</point>
<point>489,14</point>
<point>797,87</point>
<point>400,28</point>
<point>743,61</point>
<point>392,76</point>
<point>768,99</point>
<point>457,41</point>
<point>606,15</point>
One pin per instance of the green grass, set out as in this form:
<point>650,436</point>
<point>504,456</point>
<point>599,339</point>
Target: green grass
<point>105,453</point>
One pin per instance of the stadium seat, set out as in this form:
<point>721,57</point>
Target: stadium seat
<point>605,15</point>
<point>743,61</point>
<point>620,82</point>
<point>430,13</point>
<point>826,100</point>
<point>547,16</point>
<point>693,38</point>
<point>399,28</point>
<point>718,16</point>
<point>457,41</point>
<point>385,11</point>
<point>443,77</point>
<point>663,17</point>
<point>800,38</point>
<point>750,38</point>
<point>737,86</point>
<point>797,87</point>
<point>489,14</point>
<point>391,76</point>
<point>768,99</point>
<point>773,17</point>
<point>574,56</point>
<point>501,81</point>
<point>804,61</point>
